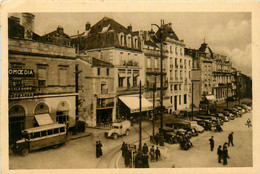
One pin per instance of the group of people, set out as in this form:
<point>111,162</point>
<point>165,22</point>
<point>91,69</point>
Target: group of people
<point>222,152</point>
<point>185,142</point>
<point>99,149</point>
<point>141,157</point>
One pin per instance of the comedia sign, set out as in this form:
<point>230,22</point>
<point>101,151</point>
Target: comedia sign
<point>21,72</point>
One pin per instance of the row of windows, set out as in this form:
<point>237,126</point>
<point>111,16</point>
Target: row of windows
<point>47,132</point>
<point>180,100</point>
<point>129,41</point>
<point>176,50</point>
<point>99,71</point>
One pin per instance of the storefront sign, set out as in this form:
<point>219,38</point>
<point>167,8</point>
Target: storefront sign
<point>21,89</point>
<point>20,95</point>
<point>21,72</point>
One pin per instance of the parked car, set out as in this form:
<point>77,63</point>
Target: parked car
<point>169,136</point>
<point>182,114</point>
<point>118,129</point>
<point>222,116</point>
<point>228,114</point>
<point>235,114</point>
<point>206,124</point>
<point>243,111</point>
<point>244,106</point>
<point>195,125</point>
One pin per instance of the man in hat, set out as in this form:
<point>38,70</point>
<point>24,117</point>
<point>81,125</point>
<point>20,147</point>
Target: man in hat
<point>145,149</point>
<point>97,150</point>
<point>100,148</point>
<point>230,139</point>
<point>219,152</point>
<point>211,142</point>
<point>157,153</point>
<point>152,153</point>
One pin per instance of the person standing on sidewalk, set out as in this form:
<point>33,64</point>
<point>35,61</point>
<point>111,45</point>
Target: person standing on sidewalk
<point>97,150</point>
<point>145,149</point>
<point>152,153</point>
<point>157,154</point>
<point>211,141</point>
<point>123,149</point>
<point>127,156</point>
<point>145,161</point>
<point>225,155</point>
<point>100,148</point>
<point>230,139</point>
<point>219,153</point>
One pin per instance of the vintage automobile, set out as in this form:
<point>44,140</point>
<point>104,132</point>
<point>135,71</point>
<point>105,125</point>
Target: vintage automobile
<point>235,113</point>
<point>209,123</point>
<point>228,114</point>
<point>169,136</point>
<point>195,125</point>
<point>118,129</point>
<point>221,116</point>
<point>182,114</point>
<point>182,125</point>
<point>39,137</point>
<point>243,111</point>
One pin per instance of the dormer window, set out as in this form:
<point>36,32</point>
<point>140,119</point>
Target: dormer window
<point>176,50</point>
<point>136,43</point>
<point>121,39</point>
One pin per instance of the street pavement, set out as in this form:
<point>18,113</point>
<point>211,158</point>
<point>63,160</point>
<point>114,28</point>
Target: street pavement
<point>80,153</point>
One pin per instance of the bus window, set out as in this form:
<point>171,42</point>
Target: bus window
<point>56,130</point>
<point>62,129</point>
<point>37,134</point>
<point>31,135</point>
<point>50,132</point>
<point>43,133</point>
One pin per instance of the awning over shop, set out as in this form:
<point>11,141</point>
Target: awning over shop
<point>211,97</point>
<point>132,102</point>
<point>43,119</point>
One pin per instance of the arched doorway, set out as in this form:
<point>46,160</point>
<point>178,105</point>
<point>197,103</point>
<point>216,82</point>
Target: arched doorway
<point>16,122</point>
<point>40,108</point>
<point>62,114</point>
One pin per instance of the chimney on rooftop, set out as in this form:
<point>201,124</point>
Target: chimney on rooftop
<point>87,26</point>
<point>28,24</point>
<point>129,28</point>
<point>60,30</point>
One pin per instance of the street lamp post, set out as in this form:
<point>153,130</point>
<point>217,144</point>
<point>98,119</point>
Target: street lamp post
<point>161,138</point>
<point>140,117</point>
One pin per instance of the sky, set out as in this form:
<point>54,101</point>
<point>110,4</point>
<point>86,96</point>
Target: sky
<point>225,33</point>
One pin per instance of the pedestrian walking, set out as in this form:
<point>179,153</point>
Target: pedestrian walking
<point>220,151</point>
<point>100,148</point>
<point>145,161</point>
<point>138,160</point>
<point>230,139</point>
<point>157,154</point>
<point>97,150</point>
<point>225,155</point>
<point>145,149</point>
<point>127,157</point>
<point>152,153</point>
<point>211,142</point>
<point>123,149</point>
<point>156,138</point>
<point>248,122</point>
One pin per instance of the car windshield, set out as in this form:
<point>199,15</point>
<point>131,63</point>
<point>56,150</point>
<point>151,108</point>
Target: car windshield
<point>115,127</point>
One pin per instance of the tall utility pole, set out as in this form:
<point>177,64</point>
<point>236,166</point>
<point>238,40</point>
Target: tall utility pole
<point>192,100</point>
<point>140,117</point>
<point>154,90</point>
<point>227,96</point>
<point>77,90</point>
<point>161,139</point>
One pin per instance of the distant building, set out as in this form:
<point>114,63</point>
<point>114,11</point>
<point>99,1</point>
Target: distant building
<point>177,69</point>
<point>96,91</point>
<point>41,81</point>
<point>111,42</point>
<point>57,37</point>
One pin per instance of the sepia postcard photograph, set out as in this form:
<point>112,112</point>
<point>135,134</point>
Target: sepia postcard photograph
<point>132,91</point>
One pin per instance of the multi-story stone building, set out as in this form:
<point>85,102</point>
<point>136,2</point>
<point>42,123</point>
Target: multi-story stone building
<point>222,76</point>
<point>111,42</point>
<point>96,91</point>
<point>41,81</point>
<point>57,37</point>
<point>177,69</point>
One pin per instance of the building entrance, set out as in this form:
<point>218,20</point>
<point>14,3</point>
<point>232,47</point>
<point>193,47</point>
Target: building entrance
<point>16,123</point>
<point>104,117</point>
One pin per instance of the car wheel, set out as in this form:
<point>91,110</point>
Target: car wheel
<point>114,136</point>
<point>170,141</point>
<point>127,132</point>
<point>24,151</point>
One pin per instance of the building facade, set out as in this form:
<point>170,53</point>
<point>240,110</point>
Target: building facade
<point>96,91</point>
<point>41,82</point>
